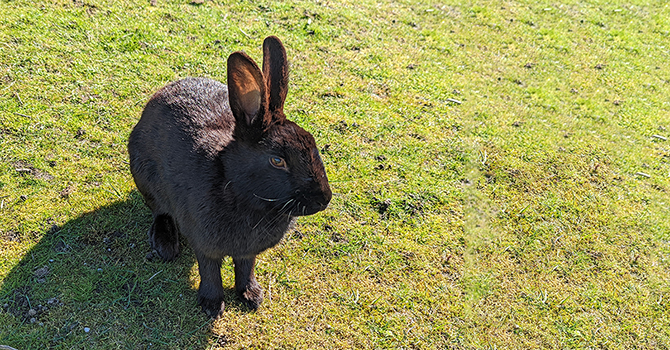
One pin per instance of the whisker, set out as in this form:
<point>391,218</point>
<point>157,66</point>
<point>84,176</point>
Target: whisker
<point>278,215</point>
<point>258,223</point>
<point>285,204</point>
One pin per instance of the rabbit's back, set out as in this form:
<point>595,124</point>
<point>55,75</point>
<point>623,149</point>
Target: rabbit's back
<point>182,129</point>
<point>196,109</point>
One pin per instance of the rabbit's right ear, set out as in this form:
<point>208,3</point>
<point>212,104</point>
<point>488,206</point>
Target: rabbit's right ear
<point>246,90</point>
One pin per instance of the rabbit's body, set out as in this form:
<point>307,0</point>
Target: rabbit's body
<point>230,173</point>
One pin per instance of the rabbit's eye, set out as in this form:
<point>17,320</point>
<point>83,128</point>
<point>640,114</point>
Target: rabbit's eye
<point>278,162</point>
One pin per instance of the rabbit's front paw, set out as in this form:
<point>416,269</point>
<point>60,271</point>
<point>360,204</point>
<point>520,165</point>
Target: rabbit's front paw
<point>252,295</point>
<point>212,307</point>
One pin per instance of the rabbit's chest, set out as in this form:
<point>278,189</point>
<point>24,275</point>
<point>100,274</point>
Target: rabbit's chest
<point>246,236</point>
<point>260,239</point>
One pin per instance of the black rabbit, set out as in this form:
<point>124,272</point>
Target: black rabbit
<point>224,167</point>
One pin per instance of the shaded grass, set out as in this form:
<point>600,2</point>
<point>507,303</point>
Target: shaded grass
<point>517,218</point>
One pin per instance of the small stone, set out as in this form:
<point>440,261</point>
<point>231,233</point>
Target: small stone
<point>384,206</point>
<point>32,312</point>
<point>24,171</point>
<point>86,329</point>
<point>42,272</point>
<point>66,192</point>
<point>33,320</point>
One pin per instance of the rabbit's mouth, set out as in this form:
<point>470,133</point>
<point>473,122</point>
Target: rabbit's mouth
<point>304,210</point>
<point>311,203</point>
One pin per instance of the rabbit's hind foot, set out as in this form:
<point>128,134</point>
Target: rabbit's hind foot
<point>164,237</point>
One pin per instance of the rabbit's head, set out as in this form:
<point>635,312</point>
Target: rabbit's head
<point>275,163</point>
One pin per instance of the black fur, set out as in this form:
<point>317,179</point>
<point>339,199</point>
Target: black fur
<point>201,159</point>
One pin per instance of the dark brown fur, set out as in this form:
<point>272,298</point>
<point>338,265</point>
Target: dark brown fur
<point>201,158</point>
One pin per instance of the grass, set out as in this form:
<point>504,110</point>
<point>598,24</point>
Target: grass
<point>532,214</point>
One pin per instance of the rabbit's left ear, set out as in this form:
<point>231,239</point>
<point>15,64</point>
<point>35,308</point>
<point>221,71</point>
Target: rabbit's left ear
<point>275,73</point>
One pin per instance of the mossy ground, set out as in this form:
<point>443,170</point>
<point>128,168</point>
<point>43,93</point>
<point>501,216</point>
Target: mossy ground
<point>500,169</point>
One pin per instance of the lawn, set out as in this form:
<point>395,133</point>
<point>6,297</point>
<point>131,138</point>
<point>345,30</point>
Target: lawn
<point>500,174</point>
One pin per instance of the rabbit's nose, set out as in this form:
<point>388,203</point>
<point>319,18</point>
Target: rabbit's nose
<point>322,188</point>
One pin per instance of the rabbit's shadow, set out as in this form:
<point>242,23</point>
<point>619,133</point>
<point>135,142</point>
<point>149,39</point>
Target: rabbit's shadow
<point>96,275</point>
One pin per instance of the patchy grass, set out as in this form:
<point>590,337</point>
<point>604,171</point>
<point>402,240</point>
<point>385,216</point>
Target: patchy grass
<point>501,175</point>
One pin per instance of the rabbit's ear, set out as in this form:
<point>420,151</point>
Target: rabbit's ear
<point>246,90</point>
<point>275,71</point>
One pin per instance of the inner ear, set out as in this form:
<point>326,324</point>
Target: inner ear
<point>246,89</point>
<point>251,103</point>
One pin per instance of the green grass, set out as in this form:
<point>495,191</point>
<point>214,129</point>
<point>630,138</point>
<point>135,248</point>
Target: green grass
<point>534,214</point>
